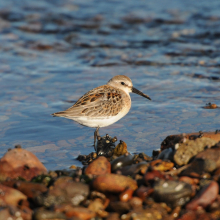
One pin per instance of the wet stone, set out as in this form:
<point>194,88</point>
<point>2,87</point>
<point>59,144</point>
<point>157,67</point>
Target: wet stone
<point>98,207</point>
<point>28,188</point>
<point>121,161</point>
<point>65,190</point>
<point>205,196</point>
<point>190,148</point>
<point>171,140</point>
<point>143,192</point>
<point>113,216</point>
<point>113,183</point>
<point>133,169</point>
<point>154,212</point>
<point>14,213</point>
<point>173,193</point>
<point>99,166</point>
<point>152,175</point>
<point>19,162</point>
<point>205,161</point>
<point>166,154</point>
<point>75,211</point>
<point>10,196</point>
<point>161,165</point>
<point>126,195</point>
<point>119,207</point>
<point>43,214</point>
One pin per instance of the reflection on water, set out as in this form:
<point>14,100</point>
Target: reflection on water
<point>54,52</point>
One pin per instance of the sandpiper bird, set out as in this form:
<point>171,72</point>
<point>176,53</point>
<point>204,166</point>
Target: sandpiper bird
<point>103,105</point>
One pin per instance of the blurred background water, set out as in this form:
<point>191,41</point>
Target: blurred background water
<point>52,52</point>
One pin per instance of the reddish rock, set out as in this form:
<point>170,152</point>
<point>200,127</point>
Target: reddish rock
<point>189,180</point>
<point>80,212</point>
<point>151,175</point>
<point>99,166</point>
<point>20,163</point>
<point>188,216</point>
<point>205,197</point>
<point>28,188</point>
<point>114,183</point>
<point>193,215</point>
<point>126,195</point>
<point>143,192</point>
<point>10,196</point>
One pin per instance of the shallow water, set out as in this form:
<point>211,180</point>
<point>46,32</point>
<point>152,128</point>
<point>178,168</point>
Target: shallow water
<point>52,52</point>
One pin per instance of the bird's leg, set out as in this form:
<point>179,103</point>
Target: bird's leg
<point>96,134</point>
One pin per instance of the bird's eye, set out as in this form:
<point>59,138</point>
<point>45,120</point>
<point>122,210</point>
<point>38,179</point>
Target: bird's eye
<point>123,83</point>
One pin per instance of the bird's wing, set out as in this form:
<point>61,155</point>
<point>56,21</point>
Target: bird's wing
<point>100,102</point>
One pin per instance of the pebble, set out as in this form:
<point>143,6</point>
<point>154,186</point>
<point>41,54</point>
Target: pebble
<point>114,183</point>
<point>205,196</point>
<point>99,166</point>
<point>19,162</point>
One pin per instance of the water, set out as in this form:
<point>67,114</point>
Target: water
<point>52,52</point>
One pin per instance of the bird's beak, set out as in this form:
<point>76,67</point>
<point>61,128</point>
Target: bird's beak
<point>139,93</point>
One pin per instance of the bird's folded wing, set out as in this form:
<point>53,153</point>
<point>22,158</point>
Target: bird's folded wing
<point>96,103</point>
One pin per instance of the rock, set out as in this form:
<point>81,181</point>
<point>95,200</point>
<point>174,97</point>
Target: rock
<point>113,183</point>
<point>171,140</point>
<point>191,181</point>
<point>126,195</point>
<point>194,215</point>
<point>113,216</point>
<point>120,149</point>
<point>121,161</point>
<point>133,169</point>
<point>78,211</point>
<point>173,193</point>
<point>20,163</point>
<point>212,155</point>
<point>143,192</point>
<point>161,165</point>
<point>190,148</point>
<point>98,207</point>
<point>14,213</point>
<point>205,196</point>
<point>152,175</point>
<point>154,212</point>
<point>65,190</point>
<point>204,162</point>
<point>28,188</point>
<point>135,202</point>
<point>99,166</point>
<point>119,207</point>
<point>43,214</point>
<point>10,196</point>
<point>166,154</point>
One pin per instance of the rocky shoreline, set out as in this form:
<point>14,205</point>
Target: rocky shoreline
<point>179,181</point>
